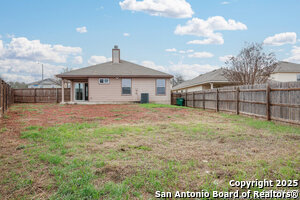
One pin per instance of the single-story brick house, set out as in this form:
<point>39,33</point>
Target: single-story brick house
<point>117,81</point>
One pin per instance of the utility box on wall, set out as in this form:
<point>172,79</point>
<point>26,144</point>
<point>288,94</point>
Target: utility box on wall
<point>144,97</point>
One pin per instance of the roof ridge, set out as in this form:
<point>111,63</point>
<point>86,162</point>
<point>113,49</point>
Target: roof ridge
<point>124,68</point>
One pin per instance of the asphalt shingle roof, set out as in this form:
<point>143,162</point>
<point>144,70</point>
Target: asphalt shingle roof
<point>287,67</point>
<point>109,69</point>
<point>47,81</point>
<point>209,77</point>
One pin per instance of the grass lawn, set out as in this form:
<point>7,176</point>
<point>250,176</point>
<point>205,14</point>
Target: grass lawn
<point>50,151</point>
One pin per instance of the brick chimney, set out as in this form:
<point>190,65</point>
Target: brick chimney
<point>116,54</point>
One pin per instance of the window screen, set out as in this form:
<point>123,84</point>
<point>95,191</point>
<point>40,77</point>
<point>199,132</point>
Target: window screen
<point>103,80</point>
<point>126,86</point>
<point>298,77</point>
<point>160,86</point>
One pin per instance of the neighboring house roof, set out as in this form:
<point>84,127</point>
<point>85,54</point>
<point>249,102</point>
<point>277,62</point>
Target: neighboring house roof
<point>47,81</point>
<point>287,67</point>
<point>109,69</point>
<point>209,77</point>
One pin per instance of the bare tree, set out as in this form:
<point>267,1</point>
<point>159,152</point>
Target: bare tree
<point>177,79</point>
<point>251,66</point>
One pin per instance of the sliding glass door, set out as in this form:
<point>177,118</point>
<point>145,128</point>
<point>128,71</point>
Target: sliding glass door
<point>81,92</point>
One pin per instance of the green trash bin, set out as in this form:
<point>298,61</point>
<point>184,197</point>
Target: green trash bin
<point>180,101</point>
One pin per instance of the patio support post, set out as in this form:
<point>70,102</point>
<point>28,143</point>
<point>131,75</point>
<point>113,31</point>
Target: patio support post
<point>62,91</point>
<point>71,91</point>
<point>217,100</point>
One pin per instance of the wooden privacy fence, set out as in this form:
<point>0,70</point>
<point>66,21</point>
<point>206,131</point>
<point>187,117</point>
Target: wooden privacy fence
<point>40,95</point>
<point>276,101</point>
<point>6,97</point>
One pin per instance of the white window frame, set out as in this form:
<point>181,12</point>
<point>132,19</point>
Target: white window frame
<point>122,86</point>
<point>105,81</point>
<point>156,87</point>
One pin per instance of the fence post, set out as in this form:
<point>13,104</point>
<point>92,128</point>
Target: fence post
<point>34,97</point>
<point>217,100</point>
<point>203,96</point>
<point>186,98</point>
<point>238,100</point>
<point>1,97</point>
<point>7,88</point>
<point>193,99</point>
<point>57,96</point>
<point>268,89</point>
<point>13,95</point>
<point>4,97</point>
<point>8,96</point>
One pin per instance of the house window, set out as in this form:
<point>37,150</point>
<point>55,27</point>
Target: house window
<point>126,86</point>
<point>103,80</point>
<point>160,86</point>
<point>298,77</point>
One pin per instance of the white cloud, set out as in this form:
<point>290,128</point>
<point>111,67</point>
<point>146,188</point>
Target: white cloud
<point>100,8</point>
<point>206,28</point>
<point>81,29</point>
<point>26,71</point>
<point>17,78</point>
<point>201,55</point>
<point>186,51</point>
<point>225,2</point>
<point>126,34</point>
<point>77,60</point>
<point>165,8</point>
<point>281,39</point>
<point>10,35</point>
<point>22,48</point>
<point>295,57</point>
<point>217,38</point>
<point>18,59</point>
<point>225,58</point>
<point>188,71</point>
<point>171,50</point>
<point>98,60</point>
<point>1,48</point>
<point>152,65</point>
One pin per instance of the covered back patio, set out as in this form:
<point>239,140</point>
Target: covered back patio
<point>79,90</point>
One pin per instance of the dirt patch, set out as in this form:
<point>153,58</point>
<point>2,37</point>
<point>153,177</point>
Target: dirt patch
<point>51,114</point>
<point>115,173</point>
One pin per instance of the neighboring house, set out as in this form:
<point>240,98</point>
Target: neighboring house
<point>117,81</point>
<point>209,80</point>
<point>46,83</point>
<point>286,72</point>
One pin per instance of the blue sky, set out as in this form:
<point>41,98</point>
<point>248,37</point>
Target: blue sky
<point>186,37</point>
